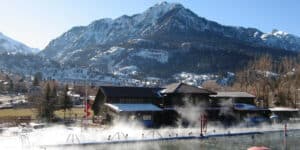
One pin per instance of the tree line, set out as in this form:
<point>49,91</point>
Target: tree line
<point>47,97</point>
<point>275,82</point>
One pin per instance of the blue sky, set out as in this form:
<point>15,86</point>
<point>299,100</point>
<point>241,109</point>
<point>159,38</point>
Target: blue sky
<point>36,22</point>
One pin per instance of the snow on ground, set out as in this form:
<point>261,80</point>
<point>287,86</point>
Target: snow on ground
<point>267,73</point>
<point>193,79</point>
<point>140,41</point>
<point>69,56</point>
<point>158,55</point>
<point>113,51</point>
<point>127,70</point>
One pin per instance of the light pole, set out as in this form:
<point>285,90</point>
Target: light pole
<point>296,98</point>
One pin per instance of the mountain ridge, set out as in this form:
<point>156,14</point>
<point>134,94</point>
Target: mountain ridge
<point>10,45</point>
<point>164,40</point>
<point>144,24</point>
<point>164,43</point>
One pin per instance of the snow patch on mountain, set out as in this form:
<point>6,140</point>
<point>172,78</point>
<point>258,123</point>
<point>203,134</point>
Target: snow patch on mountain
<point>158,55</point>
<point>153,13</point>
<point>113,51</point>
<point>126,71</point>
<point>281,39</point>
<point>192,78</point>
<point>69,56</point>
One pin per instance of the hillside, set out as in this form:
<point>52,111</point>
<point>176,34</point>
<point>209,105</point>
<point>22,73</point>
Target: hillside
<point>12,46</point>
<point>162,43</point>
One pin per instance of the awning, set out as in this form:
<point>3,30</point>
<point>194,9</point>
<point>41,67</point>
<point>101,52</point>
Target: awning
<point>132,107</point>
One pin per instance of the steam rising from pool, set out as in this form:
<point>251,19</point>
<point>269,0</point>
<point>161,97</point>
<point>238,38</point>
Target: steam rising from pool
<point>190,112</point>
<point>18,138</point>
<point>121,130</point>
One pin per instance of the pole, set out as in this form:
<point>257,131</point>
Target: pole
<point>296,99</point>
<point>285,136</point>
<point>86,103</point>
<point>285,130</point>
<point>201,125</point>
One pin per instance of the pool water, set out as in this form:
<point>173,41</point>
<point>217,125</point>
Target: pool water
<point>275,141</point>
<point>76,138</point>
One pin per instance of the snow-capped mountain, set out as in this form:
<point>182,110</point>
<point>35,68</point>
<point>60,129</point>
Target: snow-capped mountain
<point>163,20</point>
<point>280,39</point>
<point>166,42</point>
<point>12,46</point>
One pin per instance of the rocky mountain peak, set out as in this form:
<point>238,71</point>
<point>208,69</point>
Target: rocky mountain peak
<point>167,20</point>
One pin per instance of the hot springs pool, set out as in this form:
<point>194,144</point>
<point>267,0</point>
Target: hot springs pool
<point>127,137</point>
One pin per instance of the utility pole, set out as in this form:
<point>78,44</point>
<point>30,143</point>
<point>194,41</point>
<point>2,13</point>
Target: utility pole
<point>296,98</point>
<point>85,118</point>
<point>86,102</point>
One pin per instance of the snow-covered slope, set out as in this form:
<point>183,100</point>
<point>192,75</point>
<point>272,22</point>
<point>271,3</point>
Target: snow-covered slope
<point>11,46</point>
<point>166,41</point>
<point>280,39</point>
<point>167,21</point>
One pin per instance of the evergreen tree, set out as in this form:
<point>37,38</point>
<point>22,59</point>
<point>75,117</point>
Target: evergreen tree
<point>46,107</point>
<point>1,88</point>
<point>53,91</point>
<point>37,78</point>
<point>11,85</point>
<point>65,100</point>
<point>98,103</point>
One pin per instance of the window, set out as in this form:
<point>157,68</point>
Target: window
<point>147,117</point>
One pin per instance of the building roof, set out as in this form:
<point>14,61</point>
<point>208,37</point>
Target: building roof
<point>284,109</point>
<point>133,107</point>
<point>185,88</point>
<point>130,92</point>
<point>247,107</point>
<point>234,95</point>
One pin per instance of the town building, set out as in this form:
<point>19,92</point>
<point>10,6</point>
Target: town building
<point>233,97</point>
<point>285,114</point>
<point>236,107</point>
<point>152,106</point>
<point>158,106</point>
<point>131,103</point>
<point>179,95</point>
